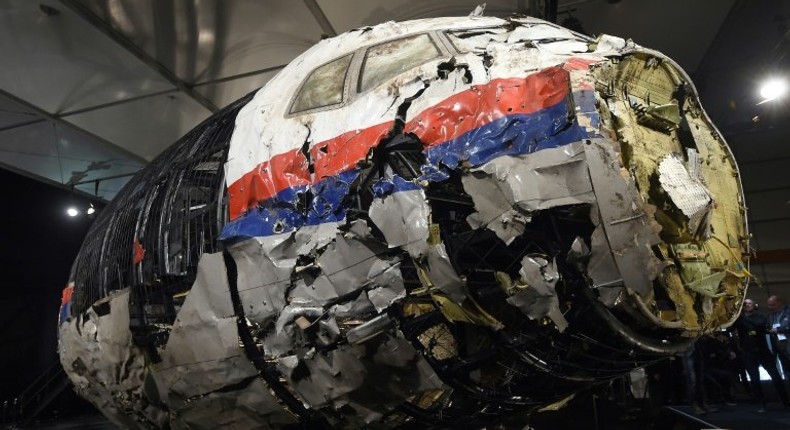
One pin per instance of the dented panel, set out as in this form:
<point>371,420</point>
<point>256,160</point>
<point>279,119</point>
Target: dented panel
<point>482,225</point>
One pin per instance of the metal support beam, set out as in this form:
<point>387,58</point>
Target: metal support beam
<point>106,178</point>
<point>113,103</point>
<point>50,182</point>
<point>143,56</point>
<point>59,120</point>
<point>318,13</point>
<point>239,76</point>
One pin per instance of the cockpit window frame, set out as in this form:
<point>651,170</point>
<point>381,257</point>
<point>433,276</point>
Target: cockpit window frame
<point>354,72</point>
<point>432,37</point>
<point>344,96</point>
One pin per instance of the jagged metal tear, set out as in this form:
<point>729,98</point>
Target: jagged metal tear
<point>537,298</point>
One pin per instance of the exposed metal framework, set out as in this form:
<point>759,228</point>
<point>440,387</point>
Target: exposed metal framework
<point>167,217</point>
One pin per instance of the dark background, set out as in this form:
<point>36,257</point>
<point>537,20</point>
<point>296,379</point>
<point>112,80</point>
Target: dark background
<point>38,242</point>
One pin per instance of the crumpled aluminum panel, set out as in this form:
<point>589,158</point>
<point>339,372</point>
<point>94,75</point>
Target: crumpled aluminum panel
<point>204,340</point>
<point>624,218</point>
<point>105,367</point>
<point>464,239</point>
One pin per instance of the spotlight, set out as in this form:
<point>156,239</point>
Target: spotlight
<point>91,210</point>
<point>72,211</point>
<point>772,89</point>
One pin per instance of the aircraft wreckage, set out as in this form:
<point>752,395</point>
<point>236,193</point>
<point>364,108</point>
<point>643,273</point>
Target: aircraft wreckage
<point>435,223</point>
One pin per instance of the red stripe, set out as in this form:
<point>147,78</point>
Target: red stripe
<point>65,296</point>
<point>449,119</point>
<point>482,104</point>
<point>342,153</point>
<point>282,171</point>
<point>578,64</point>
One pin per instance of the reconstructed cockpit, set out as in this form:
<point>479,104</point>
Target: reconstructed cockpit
<point>435,223</point>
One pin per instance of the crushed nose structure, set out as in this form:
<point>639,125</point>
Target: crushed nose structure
<point>436,222</point>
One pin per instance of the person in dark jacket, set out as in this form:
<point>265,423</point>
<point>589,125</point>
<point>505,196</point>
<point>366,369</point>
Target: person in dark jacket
<point>779,323</point>
<point>716,375</point>
<point>752,329</point>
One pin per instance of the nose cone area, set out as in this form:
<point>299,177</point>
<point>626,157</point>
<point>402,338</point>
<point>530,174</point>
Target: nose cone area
<point>689,224</point>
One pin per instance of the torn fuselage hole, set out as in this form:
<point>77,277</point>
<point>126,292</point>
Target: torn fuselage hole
<point>533,348</point>
<point>444,69</point>
<point>102,308</point>
<point>304,201</point>
<point>403,108</point>
<point>550,232</point>
<point>400,155</point>
<point>305,150</point>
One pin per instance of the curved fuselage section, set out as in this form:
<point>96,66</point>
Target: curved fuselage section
<point>426,222</point>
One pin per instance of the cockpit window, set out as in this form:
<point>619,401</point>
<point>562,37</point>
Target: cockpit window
<point>390,59</point>
<point>324,86</point>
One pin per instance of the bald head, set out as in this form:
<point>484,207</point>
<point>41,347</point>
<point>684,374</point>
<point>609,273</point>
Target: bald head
<point>775,303</point>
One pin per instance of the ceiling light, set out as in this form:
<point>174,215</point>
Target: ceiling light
<point>91,210</point>
<point>72,211</point>
<point>773,89</point>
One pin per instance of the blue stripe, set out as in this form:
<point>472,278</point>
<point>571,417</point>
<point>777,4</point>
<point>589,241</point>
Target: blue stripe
<point>511,135</point>
<point>65,312</point>
<point>385,186</point>
<point>285,212</point>
<point>585,107</point>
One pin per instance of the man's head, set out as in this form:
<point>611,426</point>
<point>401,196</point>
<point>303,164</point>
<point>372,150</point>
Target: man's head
<point>749,306</point>
<point>775,303</point>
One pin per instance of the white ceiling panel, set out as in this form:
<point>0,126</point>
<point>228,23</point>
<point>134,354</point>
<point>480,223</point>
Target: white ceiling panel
<point>107,189</point>
<point>11,113</point>
<point>80,146</point>
<point>59,63</point>
<point>204,40</point>
<point>226,92</point>
<point>75,157</point>
<point>32,164</point>
<point>144,127</point>
<point>42,158</point>
<point>40,166</point>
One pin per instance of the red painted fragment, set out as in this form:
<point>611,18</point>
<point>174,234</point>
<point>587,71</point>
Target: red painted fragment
<point>578,64</point>
<point>139,252</point>
<point>65,296</point>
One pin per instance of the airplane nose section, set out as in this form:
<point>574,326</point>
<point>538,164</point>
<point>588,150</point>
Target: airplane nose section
<point>627,244</point>
<point>685,190</point>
